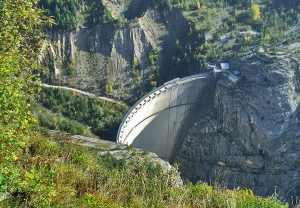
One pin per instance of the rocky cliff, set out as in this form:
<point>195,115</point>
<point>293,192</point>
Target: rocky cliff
<point>100,58</point>
<point>251,137</point>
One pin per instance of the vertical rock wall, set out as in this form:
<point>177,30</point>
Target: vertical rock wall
<point>103,55</point>
<point>250,139</point>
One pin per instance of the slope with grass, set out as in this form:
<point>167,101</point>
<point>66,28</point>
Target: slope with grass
<point>55,172</point>
<point>101,116</point>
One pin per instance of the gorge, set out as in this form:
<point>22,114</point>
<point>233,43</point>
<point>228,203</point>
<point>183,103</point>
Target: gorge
<point>239,134</point>
<point>234,137</point>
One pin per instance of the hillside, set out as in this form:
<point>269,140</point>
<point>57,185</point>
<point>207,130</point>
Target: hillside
<point>81,172</point>
<point>121,50</point>
<point>135,46</point>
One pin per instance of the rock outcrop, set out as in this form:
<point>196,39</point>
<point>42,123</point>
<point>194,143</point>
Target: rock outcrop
<point>99,59</point>
<point>124,152</point>
<point>251,137</point>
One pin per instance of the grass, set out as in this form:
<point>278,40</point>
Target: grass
<point>51,121</point>
<point>56,173</point>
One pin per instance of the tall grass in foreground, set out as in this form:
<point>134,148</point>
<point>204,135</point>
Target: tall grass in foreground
<point>60,174</point>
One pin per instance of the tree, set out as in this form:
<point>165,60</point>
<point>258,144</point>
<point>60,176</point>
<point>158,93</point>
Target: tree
<point>21,33</point>
<point>254,12</point>
<point>177,45</point>
<point>186,5</point>
<point>198,5</point>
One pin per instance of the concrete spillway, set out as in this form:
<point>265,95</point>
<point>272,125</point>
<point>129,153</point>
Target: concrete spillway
<point>161,119</point>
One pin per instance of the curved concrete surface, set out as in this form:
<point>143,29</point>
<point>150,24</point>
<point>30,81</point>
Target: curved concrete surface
<point>161,119</point>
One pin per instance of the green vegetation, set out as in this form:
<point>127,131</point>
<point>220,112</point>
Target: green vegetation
<point>136,72</point>
<point>97,12</point>
<point>192,57</point>
<point>254,12</point>
<point>68,14</point>
<point>226,28</point>
<point>58,173</point>
<point>63,11</point>
<point>154,76</point>
<point>102,116</point>
<point>20,34</point>
<point>50,121</point>
<point>109,83</point>
<point>159,3</point>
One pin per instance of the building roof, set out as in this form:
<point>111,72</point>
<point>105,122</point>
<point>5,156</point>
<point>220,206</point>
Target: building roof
<point>224,66</point>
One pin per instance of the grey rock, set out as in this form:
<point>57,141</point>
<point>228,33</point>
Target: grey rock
<point>104,50</point>
<point>277,77</point>
<point>252,135</point>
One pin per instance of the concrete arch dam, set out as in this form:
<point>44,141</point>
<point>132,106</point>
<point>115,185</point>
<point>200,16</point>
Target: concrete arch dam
<point>160,120</point>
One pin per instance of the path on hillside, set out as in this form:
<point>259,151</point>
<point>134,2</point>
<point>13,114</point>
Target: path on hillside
<point>79,91</point>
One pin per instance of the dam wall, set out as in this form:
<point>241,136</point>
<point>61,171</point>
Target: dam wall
<point>160,120</point>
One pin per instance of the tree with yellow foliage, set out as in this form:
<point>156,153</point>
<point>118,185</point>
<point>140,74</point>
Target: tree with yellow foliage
<point>21,32</point>
<point>198,5</point>
<point>254,12</point>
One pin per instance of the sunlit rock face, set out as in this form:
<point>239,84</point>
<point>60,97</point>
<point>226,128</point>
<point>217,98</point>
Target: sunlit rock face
<point>252,136</point>
<point>103,54</point>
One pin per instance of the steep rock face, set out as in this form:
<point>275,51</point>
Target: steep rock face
<point>99,52</point>
<point>251,137</point>
<point>133,43</point>
<point>99,59</point>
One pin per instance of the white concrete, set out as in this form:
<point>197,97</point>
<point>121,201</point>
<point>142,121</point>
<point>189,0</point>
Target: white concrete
<point>159,121</point>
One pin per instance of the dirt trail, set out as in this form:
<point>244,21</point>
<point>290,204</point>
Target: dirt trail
<point>79,91</point>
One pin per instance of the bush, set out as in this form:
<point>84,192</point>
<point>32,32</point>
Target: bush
<point>100,115</point>
<point>66,175</point>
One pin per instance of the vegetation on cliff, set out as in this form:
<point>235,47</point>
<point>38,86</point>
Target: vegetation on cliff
<point>103,117</point>
<point>48,121</point>
<point>68,14</point>
<point>226,28</point>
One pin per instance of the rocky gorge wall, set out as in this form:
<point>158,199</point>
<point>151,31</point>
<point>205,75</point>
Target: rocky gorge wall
<point>99,59</point>
<point>252,136</point>
<point>100,55</point>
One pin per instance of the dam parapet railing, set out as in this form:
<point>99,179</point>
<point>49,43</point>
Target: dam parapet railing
<point>149,96</point>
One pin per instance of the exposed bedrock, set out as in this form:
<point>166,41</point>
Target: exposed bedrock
<point>101,55</point>
<point>237,134</point>
<point>99,58</point>
<point>251,137</point>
